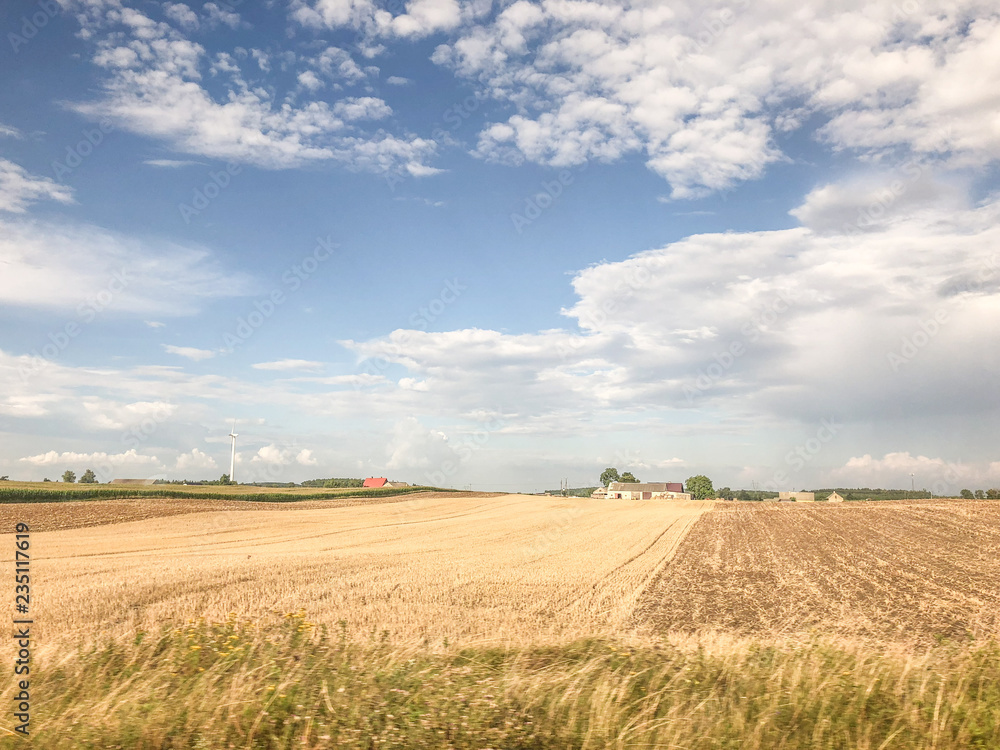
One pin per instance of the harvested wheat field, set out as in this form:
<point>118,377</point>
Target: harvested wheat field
<point>77,514</point>
<point>897,571</point>
<point>503,569</point>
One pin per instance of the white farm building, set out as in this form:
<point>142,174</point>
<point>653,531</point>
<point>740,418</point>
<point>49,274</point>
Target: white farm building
<point>647,491</point>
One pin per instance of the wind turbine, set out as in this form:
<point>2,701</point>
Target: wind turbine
<point>232,463</point>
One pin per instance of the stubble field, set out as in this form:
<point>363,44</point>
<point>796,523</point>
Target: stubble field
<point>508,569</point>
<point>475,621</point>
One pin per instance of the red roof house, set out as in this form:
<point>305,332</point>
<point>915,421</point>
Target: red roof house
<point>375,482</point>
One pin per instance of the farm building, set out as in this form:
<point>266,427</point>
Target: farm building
<point>375,482</point>
<point>834,497</point>
<point>797,497</point>
<point>647,491</point>
<point>600,493</point>
<point>397,485</point>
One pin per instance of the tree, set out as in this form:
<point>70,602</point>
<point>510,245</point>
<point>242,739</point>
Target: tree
<point>609,475</point>
<point>980,495</point>
<point>5,478</point>
<point>700,487</point>
<point>224,479</point>
<point>628,477</point>
<point>89,477</point>
<point>725,493</point>
<point>967,494</point>
<point>69,476</point>
<point>993,494</point>
<point>743,495</point>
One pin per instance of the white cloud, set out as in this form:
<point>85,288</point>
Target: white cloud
<point>108,414</point>
<point>153,86</point>
<point>93,271</point>
<point>73,460</point>
<point>189,352</point>
<point>305,458</point>
<point>9,131</point>
<point>422,17</point>
<point>310,80</point>
<point>289,364</point>
<point>272,454</point>
<point>939,476</point>
<point>414,446</point>
<point>398,81</point>
<point>155,324</point>
<point>19,189</point>
<point>793,324</point>
<point>182,14</point>
<point>196,459</point>
<point>276,456</point>
<point>700,91</point>
<point>215,15</point>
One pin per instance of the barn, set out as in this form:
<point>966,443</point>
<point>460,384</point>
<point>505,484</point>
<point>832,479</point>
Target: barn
<point>647,491</point>
<point>797,497</point>
<point>375,482</point>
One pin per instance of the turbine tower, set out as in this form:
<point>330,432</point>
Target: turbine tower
<point>232,463</point>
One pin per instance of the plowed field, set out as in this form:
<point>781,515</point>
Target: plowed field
<point>903,571</point>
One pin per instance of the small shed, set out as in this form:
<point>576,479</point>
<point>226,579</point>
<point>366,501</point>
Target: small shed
<point>375,482</point>
<point>834,498</point>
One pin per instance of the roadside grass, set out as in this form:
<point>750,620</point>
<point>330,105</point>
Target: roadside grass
<point>291,684</point>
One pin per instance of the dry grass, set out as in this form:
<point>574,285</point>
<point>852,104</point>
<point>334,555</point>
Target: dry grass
<point>903,571</point>
<point>500,569</point>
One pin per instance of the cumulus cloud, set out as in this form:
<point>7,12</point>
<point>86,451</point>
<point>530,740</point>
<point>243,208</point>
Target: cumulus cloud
<point>194,460</point>
<point>276,456</point>
<point>701,91</point>
<point>937,475</point>
<point>153,86</point>
<point>74,460</point>
<point>421,17</point>
<point>414,446</point>
<point>19,189</point>
<point>793,324</point>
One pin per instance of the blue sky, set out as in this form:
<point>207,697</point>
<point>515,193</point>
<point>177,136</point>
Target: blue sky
<point>501,244</point>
